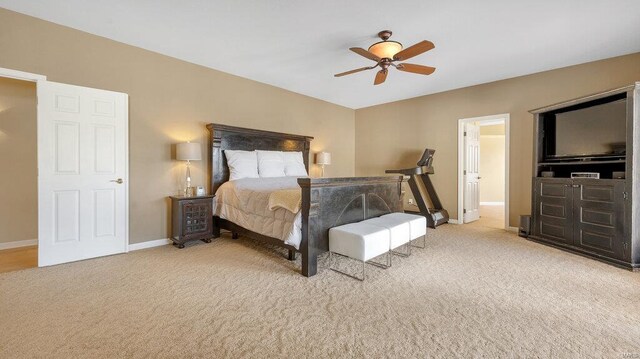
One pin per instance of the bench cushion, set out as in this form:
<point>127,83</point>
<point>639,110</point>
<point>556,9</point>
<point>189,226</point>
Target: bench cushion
<point>360,240</point>
<point>417,223</point>
<point>399,229</point>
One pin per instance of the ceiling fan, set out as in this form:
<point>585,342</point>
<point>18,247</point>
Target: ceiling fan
<point>386,52</point>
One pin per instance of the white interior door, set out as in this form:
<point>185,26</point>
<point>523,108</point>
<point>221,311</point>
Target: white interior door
<point>82,173</point>
<point>471,175</point>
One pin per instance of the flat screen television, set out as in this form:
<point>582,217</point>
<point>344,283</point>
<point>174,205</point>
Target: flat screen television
<point>594,131</point>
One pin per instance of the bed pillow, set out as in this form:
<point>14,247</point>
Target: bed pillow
<point>242,164</point>
<point>294,164</point>
<point>270,164</point>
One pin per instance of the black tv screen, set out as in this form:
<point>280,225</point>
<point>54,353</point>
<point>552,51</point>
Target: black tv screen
<point>593,131</point>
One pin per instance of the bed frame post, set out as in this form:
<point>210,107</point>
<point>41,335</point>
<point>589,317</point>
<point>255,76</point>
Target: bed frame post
<point>215,232</point>
<point>309,221</point>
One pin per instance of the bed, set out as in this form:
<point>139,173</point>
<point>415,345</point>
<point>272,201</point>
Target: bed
<point>326,202</point>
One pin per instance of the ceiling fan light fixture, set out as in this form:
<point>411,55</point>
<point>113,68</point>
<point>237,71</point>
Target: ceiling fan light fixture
<point>385,49</point>
<point>386,52</point>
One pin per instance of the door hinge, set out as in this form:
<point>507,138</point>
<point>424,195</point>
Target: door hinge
<point>464,172</point>
<point>465,133</point>
<point>464,211</point>
<point>625,195</point>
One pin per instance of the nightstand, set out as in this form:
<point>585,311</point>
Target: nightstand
<point>192,219</point>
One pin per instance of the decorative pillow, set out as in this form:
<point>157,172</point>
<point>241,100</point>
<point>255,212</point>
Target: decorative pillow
<point>242,164</point>
<point>294,164</point>
<point>270,164</point>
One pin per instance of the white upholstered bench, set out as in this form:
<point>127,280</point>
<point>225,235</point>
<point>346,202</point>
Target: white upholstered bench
<point>360,241</point>
<point>417,224</point>
<point>399,232</point>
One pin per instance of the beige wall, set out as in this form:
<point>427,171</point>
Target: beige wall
<point>431,121</point>
<point>170,101</point>
<point>492,163</point>
<point>18,161</point>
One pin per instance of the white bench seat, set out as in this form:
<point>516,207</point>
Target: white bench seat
<point>360,241</point>
<point>417,224</point>
<point>399,232</point>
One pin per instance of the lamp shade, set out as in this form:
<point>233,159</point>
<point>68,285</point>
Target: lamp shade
<point>188,151</point>
<point>385,49</point>
<point>323,158</point>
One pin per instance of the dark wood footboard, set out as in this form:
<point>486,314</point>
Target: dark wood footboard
<point>330,202</point>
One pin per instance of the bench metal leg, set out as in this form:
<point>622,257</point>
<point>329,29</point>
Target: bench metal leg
<point>424,242</point>
<point>383,266</point>
<point>407,250</point>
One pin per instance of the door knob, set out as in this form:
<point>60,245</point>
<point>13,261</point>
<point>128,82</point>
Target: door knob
<point>118,181</point>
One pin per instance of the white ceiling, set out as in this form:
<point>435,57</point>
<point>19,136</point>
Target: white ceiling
<point>299,44</point>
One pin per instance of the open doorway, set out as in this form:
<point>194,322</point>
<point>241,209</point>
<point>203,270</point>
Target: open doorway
<point>19,175</point>
<point>483,171</point>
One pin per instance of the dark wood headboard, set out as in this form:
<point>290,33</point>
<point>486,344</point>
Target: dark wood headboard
<point>223,137</point>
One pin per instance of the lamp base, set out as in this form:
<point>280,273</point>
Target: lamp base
<point>189,191</point>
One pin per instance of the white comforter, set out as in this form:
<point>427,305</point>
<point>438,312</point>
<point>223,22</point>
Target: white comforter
<point>245,202</point>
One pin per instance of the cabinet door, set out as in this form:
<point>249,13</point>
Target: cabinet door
<point>196,219</point>
<point>599,217</point>
<point>554,210</point>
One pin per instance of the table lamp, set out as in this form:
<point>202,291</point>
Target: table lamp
<point>188,151</point>
<point>323,159</point>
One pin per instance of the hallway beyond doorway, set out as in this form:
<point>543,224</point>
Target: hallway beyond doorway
<point>491,216</point>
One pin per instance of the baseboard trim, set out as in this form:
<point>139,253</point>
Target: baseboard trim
<point>149,244</point>
<point>453,221</point>
<point>18,244</point>
<point>513,229</point>
<point>492,203</point>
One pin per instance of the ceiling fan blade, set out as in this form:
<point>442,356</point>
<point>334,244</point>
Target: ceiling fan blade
<point>415,50</point>
<point>362,52</point>
<point>352,71</point>
<point>416,69</point>
<point>380,77</point>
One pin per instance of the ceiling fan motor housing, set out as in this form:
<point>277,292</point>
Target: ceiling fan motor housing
<point>385,34</point>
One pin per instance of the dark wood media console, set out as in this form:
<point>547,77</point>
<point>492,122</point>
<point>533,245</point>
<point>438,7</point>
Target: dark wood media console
<point>598,218</point>
<point>585,215</point>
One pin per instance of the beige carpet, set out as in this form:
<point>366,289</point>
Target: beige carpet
<point>492,216</point>
<point>473,292</point>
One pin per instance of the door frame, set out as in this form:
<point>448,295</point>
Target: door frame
<point>484,121</point>
<point>27,76</point>
<point>21,75</point>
